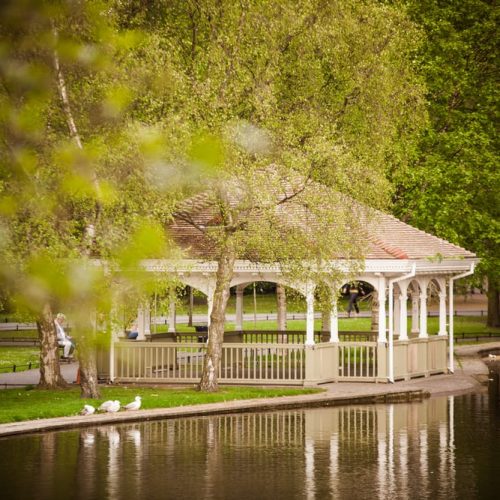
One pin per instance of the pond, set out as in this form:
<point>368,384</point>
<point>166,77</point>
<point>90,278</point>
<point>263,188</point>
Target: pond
<point>445,447</point>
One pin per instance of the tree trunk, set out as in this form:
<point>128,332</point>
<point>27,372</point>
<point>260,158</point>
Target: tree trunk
<point>493,319</point>
<point>225,270</point>
<point>50,371</point>
<point>281,305</point>
<point>87,356</point>
<point>87,351</point>
<point>325,321</point>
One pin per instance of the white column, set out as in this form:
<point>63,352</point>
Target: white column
<point>310,316</point>
<point>238,324</point>
<point>114,338</point>
<point>390,358</point>
<point>442,312</point>
<point>397,315</point>
<point>147,318</point>
<point>141,323</point>
<point>382,335</point>
<point>403,315</point>
<point>334,318</point>
<point>423,312</point>
<point>171,314</point>
<point>414,312</point>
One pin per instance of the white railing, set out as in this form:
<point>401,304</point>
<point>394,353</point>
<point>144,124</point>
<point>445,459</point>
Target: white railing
<point>240,363</point>
<point>262,363</point>
<point>420,357</point>
<point>358,361</point>
<point>288,364</point>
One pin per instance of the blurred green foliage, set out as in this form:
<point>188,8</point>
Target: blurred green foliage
<point>111,112</point>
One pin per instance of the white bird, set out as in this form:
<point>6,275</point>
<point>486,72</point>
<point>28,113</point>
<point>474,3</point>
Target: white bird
<point>87,410</point>
<point>134,405</point>
<point>492,356</point>
<point>114,407</point>
<point>105,405</point>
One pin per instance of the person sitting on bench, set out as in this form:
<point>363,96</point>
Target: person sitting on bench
<point>63,340</point>
<point>133,331</point>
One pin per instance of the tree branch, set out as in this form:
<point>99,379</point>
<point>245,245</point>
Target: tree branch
<point>63,94</point>
<point>89,232</point>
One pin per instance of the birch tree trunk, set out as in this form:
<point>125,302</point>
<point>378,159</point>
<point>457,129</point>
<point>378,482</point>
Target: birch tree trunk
<point>209,377</point>
<point>87,355</point>
<point>281,306</point>
<point>88,368</point>
<point>50,371</point>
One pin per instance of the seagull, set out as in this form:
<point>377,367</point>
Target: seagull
<point>105,405</point>
<point>87,410</point>
<point>113,407</point>
<point>135,405</point>
<point>492,356</point>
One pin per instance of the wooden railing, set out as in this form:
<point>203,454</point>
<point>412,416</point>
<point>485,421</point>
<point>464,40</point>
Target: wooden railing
<point>262,364</point>
<point>240,363</point>
<point>358,360</point>
<point>278,363</point>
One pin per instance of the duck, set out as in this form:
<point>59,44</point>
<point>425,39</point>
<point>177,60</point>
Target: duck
<point>134,405</point>
<point>87,410</point>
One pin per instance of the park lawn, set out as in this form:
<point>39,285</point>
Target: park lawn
<point>29,403</point>
<point>18,334</point>
<point>19,356</point>
<point>266,303</point>
<point>462,324</point>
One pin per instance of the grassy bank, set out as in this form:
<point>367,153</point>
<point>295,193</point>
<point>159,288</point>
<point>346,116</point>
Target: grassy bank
<point>21,357</point>
<point>28,404</point>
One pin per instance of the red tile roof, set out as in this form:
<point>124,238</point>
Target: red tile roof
<point>388,237</point>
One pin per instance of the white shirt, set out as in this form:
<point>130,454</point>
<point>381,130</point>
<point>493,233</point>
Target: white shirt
<point>61,334</point>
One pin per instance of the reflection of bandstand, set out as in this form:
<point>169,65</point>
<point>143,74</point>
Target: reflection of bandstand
<point>395,450</point>
<point>403,265</point>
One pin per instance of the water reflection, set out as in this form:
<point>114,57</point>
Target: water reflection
<point>440,448</point>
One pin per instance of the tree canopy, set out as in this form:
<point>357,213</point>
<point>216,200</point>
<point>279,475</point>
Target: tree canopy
<point>323,91</point>
<point>451,188</point>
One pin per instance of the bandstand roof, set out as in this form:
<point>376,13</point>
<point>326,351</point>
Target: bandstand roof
<point>388,237</point>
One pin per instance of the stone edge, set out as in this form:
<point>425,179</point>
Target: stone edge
<point>240,406</point>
